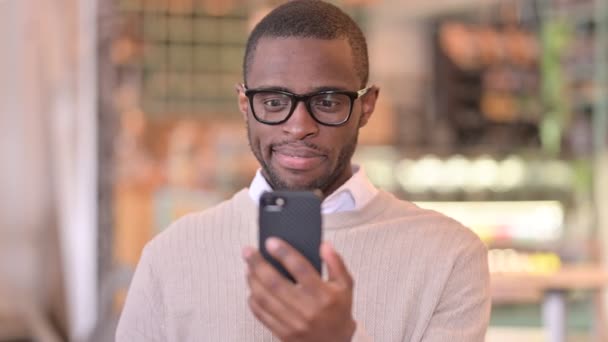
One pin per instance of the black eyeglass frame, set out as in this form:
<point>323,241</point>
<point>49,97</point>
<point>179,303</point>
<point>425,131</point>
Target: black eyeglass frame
<point>295,99</point>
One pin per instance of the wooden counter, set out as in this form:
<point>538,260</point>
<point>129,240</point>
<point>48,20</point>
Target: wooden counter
<point>552,290</point>
<point>528,287</point>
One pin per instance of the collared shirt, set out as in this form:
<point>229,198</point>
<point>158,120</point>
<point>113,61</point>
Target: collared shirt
<point>354,194</point>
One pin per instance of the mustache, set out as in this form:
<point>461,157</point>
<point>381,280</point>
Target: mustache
<point>299,143</point>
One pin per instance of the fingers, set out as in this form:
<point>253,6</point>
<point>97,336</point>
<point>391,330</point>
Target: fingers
<point>268,307</point>
<point>270,321</point>
<point>267,275</point>
<point>292,311</point>
<point>295,263</point>
<point>336,269</point>
<point>266,282</point>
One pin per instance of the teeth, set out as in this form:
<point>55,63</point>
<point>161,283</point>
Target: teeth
<point>293,156</point>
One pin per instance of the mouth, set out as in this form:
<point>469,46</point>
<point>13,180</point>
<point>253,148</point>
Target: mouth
<point>297,158</point>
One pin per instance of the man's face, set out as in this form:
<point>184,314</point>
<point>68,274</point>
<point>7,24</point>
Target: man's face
<point>302,154</point>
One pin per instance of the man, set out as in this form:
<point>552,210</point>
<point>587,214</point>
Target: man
<point>395,272</point>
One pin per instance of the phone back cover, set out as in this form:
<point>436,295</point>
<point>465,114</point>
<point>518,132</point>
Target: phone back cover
<point>298,223</point>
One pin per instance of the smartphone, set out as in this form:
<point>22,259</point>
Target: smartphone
<point>295,217</point>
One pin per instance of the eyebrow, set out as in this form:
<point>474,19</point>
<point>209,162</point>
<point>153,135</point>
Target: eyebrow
<point>314,90</point>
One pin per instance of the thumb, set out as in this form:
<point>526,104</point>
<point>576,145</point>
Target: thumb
<point>336,269</point>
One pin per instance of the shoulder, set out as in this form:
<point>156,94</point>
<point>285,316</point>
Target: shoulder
<point>430,227</point>
<point>193,228</point>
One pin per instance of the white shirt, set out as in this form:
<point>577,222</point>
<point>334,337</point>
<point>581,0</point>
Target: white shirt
<point>354,194</point>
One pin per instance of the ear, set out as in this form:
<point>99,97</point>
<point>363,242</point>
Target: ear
<point>243,101</point>
<point>368,104</point>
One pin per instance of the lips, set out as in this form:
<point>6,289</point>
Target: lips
<point>297,158</point>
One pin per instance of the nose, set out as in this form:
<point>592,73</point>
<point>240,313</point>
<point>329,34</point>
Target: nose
<point>301,124</point>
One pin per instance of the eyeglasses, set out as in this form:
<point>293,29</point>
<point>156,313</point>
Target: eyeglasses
<point>330,108</point>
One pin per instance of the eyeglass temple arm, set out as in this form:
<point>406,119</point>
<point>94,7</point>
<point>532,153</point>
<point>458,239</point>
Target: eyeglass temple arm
<point>363,91</point>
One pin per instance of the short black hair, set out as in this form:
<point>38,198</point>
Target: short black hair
<point>310,19</point>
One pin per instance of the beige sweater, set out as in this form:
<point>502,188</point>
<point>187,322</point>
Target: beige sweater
<point>419,276</point>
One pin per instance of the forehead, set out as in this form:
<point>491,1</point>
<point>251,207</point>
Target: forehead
<point>302,64</point>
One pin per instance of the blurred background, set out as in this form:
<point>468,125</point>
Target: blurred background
<point>119,116</point>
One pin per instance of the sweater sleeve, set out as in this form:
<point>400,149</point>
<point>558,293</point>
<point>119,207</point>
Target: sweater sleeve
<point>142,318</point>
<point>463,311</point>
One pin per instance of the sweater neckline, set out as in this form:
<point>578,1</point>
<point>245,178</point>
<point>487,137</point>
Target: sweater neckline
<point>334,221</point>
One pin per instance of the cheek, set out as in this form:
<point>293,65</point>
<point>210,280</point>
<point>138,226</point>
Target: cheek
<point>343,136</point>
<point>259,137</point>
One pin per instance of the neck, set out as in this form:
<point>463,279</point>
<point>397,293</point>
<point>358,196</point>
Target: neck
<point>342,177</point>
<point>337,181</point>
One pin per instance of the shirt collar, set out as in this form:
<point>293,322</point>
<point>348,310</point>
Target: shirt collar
<point>354,194</point>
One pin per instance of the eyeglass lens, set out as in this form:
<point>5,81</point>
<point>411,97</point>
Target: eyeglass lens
<point>326,108</point>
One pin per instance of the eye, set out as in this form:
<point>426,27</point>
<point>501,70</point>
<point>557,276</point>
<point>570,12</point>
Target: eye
<point>329,103</point>
<point>273,103</point>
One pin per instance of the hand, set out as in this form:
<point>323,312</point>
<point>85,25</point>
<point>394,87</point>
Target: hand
<point>310,310</point>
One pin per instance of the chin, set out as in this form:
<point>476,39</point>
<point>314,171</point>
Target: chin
<point>306,184</point>
<point>286,180</point>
